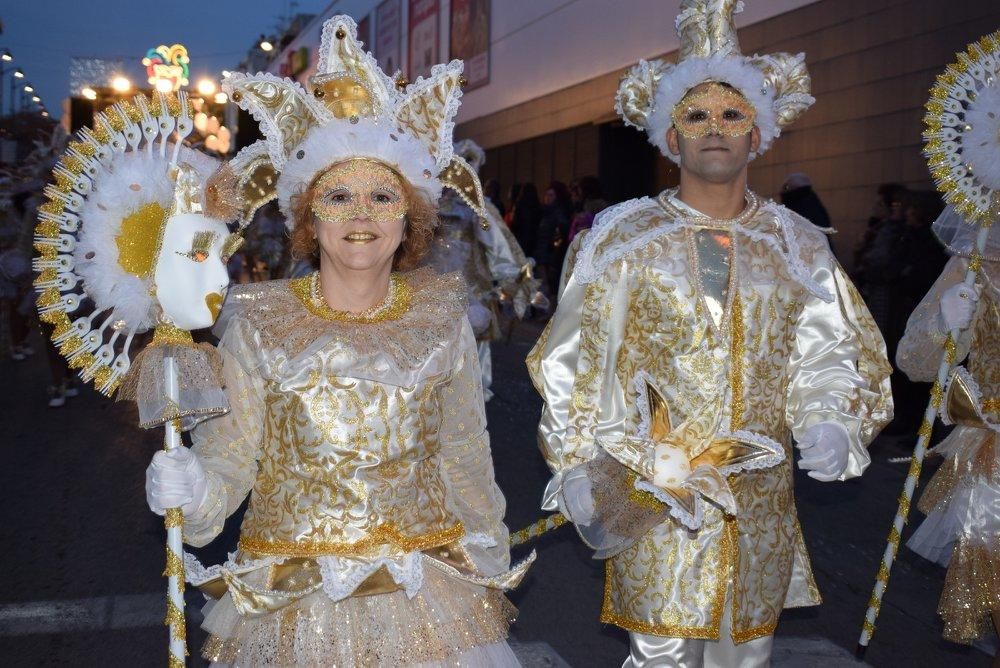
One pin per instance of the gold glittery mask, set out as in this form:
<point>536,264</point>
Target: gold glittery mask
<point>714,110</point>
<point>359,189</point>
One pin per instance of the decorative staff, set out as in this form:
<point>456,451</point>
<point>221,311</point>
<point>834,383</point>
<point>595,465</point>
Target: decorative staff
<point>125,245</point>
<point>963,153</point>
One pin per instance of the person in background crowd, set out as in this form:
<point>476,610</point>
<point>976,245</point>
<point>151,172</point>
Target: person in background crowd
<point>878,266</point>
<point>589,197</point>
<point>550,243</point>
<point>508,216</point>
<point>492,191</point>
<point>921,258</point>
<point>798,195</point>
<point>527,215</point>
<point>888,204</point>
<point>15,281</point>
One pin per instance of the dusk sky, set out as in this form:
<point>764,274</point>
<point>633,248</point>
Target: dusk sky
<point>43,35</point>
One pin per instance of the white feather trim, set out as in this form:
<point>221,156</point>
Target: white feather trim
<point>471,152</point>
<point>341,140</point>
<point>981,144</point>
<point>113,199</point>
<point>737,71</point>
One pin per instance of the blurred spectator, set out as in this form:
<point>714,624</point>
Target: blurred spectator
<point>550,242</point>
<point>798,195</point>
<point>492,191</point>
<point>515,192</point>
<point>15,293</point>
<point>527,215</point>
<point>921,258</point>
<point>888,204</point>
<point>878,266</point>
<point>588,201</point>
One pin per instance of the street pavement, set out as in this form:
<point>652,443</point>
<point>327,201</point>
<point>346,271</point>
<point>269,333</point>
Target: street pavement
<point>80,581</point>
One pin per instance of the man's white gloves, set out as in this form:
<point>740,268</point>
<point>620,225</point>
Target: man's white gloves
<point>825,448</point>
<point>175,479</point>
<point>958,306</point>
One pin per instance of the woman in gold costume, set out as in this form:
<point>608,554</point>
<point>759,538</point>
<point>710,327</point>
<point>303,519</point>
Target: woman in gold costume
<point>374,534</point>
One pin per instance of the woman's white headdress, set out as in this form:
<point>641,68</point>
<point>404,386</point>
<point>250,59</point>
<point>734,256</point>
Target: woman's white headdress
<point>777,85</point>
<point>354,110</point>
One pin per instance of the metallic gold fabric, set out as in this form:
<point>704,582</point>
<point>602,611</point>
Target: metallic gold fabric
<point>778,360</point>
<point>344,448</point>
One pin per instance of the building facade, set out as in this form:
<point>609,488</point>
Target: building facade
<point>546,111</point>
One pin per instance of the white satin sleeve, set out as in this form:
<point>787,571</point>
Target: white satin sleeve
<point>229,445</point>
<point>573,368</point>
<point>920,350</point>
<point>467,462</point>
<point>838,370</point>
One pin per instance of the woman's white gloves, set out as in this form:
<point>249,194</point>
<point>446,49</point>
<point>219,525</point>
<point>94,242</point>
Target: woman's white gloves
<point>825,449</point>
<point>175,479</point>
<point>958,306</point>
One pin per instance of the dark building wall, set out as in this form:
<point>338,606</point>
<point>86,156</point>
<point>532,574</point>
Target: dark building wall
<point>872,63</point>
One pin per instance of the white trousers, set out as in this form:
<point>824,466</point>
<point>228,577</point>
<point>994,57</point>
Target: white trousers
<point>646,651</point>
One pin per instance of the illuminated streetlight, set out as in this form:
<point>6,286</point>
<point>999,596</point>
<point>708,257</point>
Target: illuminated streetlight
<point>28,88</point>
<point>265,45</point>
<point>121,84</point>
<point>45,114</point>
<point>207,87</point>
<point>5,56</point>
<point>18,74</point>
<point>221,98</point>
<point>164,85</point>
<point>35,98</point>
<point>89,93</point>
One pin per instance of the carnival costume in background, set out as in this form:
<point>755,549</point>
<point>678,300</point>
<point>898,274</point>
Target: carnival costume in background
<point>962,147</point>
<point>962,500</point>
<point>685,356</point>
<point>128,242</point>
<point>488,256</point>
<point>374,533</point>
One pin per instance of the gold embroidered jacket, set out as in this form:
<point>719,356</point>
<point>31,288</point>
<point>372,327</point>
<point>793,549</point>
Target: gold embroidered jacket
<point>352,439</point>
<point>752,326</point>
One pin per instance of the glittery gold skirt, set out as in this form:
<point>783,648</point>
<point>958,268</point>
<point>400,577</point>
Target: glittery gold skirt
<point>962,531</point>
<point>446,619</point>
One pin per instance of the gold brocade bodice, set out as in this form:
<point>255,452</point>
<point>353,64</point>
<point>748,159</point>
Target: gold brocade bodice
<point>348,465</point>
<point>347,420</point>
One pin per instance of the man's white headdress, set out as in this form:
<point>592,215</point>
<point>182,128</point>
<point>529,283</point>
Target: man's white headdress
<point>355,110</point>
<point>777,85</point>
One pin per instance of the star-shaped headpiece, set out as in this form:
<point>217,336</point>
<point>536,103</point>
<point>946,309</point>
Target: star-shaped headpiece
<point>355,110</point>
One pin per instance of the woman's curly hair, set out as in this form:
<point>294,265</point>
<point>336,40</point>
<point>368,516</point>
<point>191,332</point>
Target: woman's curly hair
<point>421,219</point>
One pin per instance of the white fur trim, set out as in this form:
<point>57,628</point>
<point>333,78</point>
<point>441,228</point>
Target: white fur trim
<point>471,152</point>
<point>341,140</point>
<point>737,71</point>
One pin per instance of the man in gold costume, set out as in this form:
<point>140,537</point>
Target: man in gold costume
<point>699,334</point>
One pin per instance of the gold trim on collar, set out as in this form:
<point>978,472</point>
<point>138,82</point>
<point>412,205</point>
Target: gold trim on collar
<point>395,306</point>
